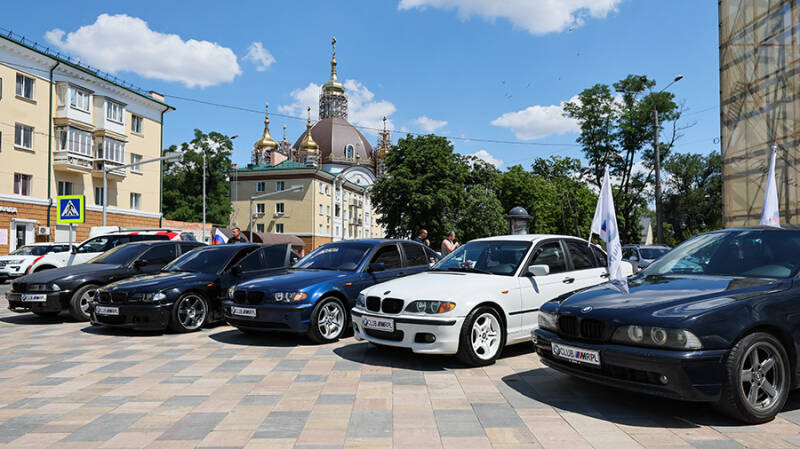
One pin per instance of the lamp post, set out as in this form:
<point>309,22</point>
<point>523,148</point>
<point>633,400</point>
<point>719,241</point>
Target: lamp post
<point>659,217</point>
<point>169,157</point>
<point>263,195</point>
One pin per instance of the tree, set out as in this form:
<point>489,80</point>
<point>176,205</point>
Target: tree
<point>182,181</point>
<point>574,200</point>
<point>519,187</point>
<point>693,198</point>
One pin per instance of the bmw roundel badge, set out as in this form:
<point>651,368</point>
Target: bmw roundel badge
<point>586,309</point>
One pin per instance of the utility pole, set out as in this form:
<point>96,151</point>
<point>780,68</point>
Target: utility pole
<point>659,217</point>
<point>204,195</point>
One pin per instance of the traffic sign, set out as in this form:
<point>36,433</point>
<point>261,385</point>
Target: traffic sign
<point>71,209</point>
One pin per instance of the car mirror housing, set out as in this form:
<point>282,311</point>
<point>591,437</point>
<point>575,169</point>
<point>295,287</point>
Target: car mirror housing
<point>539,270</point>
<point>376,266</point>
<point>236,270</point>
<point>140,263</point>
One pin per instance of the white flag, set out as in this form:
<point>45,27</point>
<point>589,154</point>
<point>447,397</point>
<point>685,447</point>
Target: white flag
<point>604,224</point>
<point>769,212</point>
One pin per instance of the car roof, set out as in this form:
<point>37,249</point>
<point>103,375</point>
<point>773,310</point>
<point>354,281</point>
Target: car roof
<point>527,237</point>
<point>783,228</point>
<point>634,245</point>
<point>46,244</point>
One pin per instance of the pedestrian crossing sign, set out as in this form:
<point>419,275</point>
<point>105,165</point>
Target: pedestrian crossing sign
<point>71,209</point>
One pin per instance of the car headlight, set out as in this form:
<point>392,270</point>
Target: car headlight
<point>40,287</point>
<point>53,287</point>
<point>430,307</point>
<point>548,321</point>
<point>289,297</point>
<point>361,301</point>
<point>231,291</point>
<point>15,261</point>
<point>148,297</point>
<point>654,336</point>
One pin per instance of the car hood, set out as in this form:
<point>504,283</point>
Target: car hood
<point>443,286</point>
<point>10,257</point>
<point>68,272</point>
<point>295,279</point>
<point>160,281</point>
<point>659,297</point>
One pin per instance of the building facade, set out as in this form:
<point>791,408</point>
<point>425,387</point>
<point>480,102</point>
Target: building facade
<point>759,106</point>
<point>61,125</point>
<point>332,161</point>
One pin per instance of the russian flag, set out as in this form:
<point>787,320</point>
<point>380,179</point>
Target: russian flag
<point>219,238</point>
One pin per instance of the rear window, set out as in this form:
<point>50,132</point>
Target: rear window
<point>415,254</point>
<point>581,255</point>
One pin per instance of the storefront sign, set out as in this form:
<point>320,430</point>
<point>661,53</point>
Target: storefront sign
<point>9,210</point>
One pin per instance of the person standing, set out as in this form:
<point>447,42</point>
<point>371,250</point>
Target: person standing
<point>422,236</point>
<point>237,237</point>
<point>449,244</point>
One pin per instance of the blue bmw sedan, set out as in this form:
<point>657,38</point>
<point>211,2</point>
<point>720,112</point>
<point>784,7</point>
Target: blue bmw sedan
<point>315,296</point>
<point>716,320</point>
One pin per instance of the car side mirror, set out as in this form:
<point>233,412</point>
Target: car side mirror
<point>539,270</point>
<point>376,266</point>
<point>236,270</point>
<point>74,250</point>
<point>139,263</point>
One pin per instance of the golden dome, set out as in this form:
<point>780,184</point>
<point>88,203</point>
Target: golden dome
<point>333,85</point>
<point>266,142</point>
<point>308,143</point>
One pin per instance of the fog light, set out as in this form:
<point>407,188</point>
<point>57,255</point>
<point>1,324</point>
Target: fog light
<point>663,379</point>
<point>424,337</point>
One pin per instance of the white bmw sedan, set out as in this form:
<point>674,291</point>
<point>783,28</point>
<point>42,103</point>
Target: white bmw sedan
<point>481,297</point>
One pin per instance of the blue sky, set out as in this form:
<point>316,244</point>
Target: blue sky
<point>455,67</point>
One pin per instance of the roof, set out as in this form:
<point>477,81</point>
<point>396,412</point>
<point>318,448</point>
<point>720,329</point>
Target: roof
<point>47,243</point>
<point>275,239</point>
<point>333,135</point>
<point>285,165</point>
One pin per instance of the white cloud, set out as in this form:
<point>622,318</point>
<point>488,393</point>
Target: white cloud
<point>535,16</point>
<point>536,122</point>
<point>486,156</point>
<point>260,56</point>
<point>116,43</point>
<point>429,125</point>
<point>362,108</point>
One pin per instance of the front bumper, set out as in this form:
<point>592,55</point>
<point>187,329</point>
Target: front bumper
<point>691,375</point>
<point>294,318</point>
<point>411,332</point>
<point>142,317</point>
<point>12,271</point>
<point>54,302</point>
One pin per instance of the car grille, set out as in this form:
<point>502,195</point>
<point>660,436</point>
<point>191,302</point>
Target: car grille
<point>3,263</point>
<point>374,303</point>
<point>586,329</point>
<point>248,298</point>
<point>119,297</point>
<point>383,335</point>
<point>592,329</point>
<point>568,325</point>
<point>392,305</point>
<point>19,287</point>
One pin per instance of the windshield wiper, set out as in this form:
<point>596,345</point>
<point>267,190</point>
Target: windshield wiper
<point>469,270</point>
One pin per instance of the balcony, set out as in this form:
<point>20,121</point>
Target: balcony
<point>101,163</point>
<point>70,161</point>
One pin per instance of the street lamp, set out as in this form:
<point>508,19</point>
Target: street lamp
<point>659,218</point>
<point>168,157</point>
<point>264,195</point>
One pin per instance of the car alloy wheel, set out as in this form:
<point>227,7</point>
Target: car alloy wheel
<point>485,336</point>
<point>761,376</point>
<point>191,312</point>
<point>80,301</point>
<point>331,320</point>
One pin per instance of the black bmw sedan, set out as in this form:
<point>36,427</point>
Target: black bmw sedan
<point>715,320</point>
<point>48,292</point>
<point>187,293</point>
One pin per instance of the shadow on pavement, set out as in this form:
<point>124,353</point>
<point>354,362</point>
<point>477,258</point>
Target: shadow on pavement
<point>32,319</point>
<point>272,339</point>
<point>544,387</point>
<point>107,330</point>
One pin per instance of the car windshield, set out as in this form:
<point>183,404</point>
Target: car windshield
<point>652,253</point>
<point>756,253</point>
<point>486,256</point>
<point>29,250</point>
<point>119,255</point>
<point>203,260</point>
<point>335,256</point>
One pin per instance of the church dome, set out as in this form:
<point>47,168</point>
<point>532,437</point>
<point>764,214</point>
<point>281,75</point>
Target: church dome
<point>339,142</point>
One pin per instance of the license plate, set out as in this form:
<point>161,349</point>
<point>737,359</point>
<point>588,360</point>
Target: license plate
<point>34,298</point>
<point>378,324</point>
<point>574,354</point>
<point>102,310</point>
<point>243,311</point>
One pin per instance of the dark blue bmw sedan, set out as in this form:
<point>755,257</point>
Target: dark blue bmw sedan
<point>315,296</point>
<point>717,320</point>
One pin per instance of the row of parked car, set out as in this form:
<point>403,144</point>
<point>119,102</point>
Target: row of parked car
<point>716,319</point>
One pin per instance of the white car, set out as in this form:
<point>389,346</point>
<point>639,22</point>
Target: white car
<point>98,245</point>
<point>19,261</point>
<point>481,297</point>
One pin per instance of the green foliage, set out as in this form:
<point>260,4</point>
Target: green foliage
<point>183,186</point>
<point>693,198</point>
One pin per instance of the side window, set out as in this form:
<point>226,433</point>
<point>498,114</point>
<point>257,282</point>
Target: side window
<point>581,255</point>
<point>627,253</point>
<point>95,245</point>
<point>253,261</point>
<point>294,258</point>
<point>552,255</point>
<point>185,247</point>
<point>159,255</point>
<point>600,257</point>
<point>389,255</point>
<point>274,256</point>
<point>415,254</point>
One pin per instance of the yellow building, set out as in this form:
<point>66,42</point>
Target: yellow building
<point>759,106</point>
<point>60,124</point>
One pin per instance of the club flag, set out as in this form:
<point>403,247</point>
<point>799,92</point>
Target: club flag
<point>604,224</point>
<point>219,238</point>
<point>769,212</point>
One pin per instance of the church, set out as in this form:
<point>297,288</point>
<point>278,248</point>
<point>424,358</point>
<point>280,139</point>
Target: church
<point>318,188</point>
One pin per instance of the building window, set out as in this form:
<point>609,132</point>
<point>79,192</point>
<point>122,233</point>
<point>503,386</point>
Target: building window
<point>350,232</point>
<point>328,229</point>
<point>337,230</point>
<point>320,187</point>
<point>114,111</point>
<point>328,190</point>
<point>98,196</point>
<point>136,159</point>
<point>260,227</point>
<point>23,136</point>
<point>260,186</point>
<point>1,88</point>
<point>279,208</point>
<point>320,209</point>
<point>22,184</point>
<point>260,208</point>
<point>136,124</point>
<point>24,86</point>
<point>64,188</point>
<point>74,140</point>
<point>320,228</point>
<point>279,228</point>
<point>79,99</point>
<point>349,152</point>
<point>337,210</point>
<point>136,199</point>
<point>111,150</point>
<point>328,210</point>
<point>279,186</point>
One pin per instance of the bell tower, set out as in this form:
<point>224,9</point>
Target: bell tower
<point>332,100</point>
<point>266,145</point>
<point>384,146</point>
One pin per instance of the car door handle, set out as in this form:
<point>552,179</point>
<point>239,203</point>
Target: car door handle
<point>568,280</point>
<point>401,274</point>
<point>604,275</point>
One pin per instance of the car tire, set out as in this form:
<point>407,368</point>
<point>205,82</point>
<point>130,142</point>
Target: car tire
<point>482,337</point>
<point>328,321</point>
<point>49,314</point>
<point>190,313</point>
<point>79,303</point>
<point>757,379</point>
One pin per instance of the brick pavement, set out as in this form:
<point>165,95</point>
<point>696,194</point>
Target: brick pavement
<point>69,385</point>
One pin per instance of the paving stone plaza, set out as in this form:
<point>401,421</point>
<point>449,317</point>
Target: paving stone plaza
<point>65,384</point>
